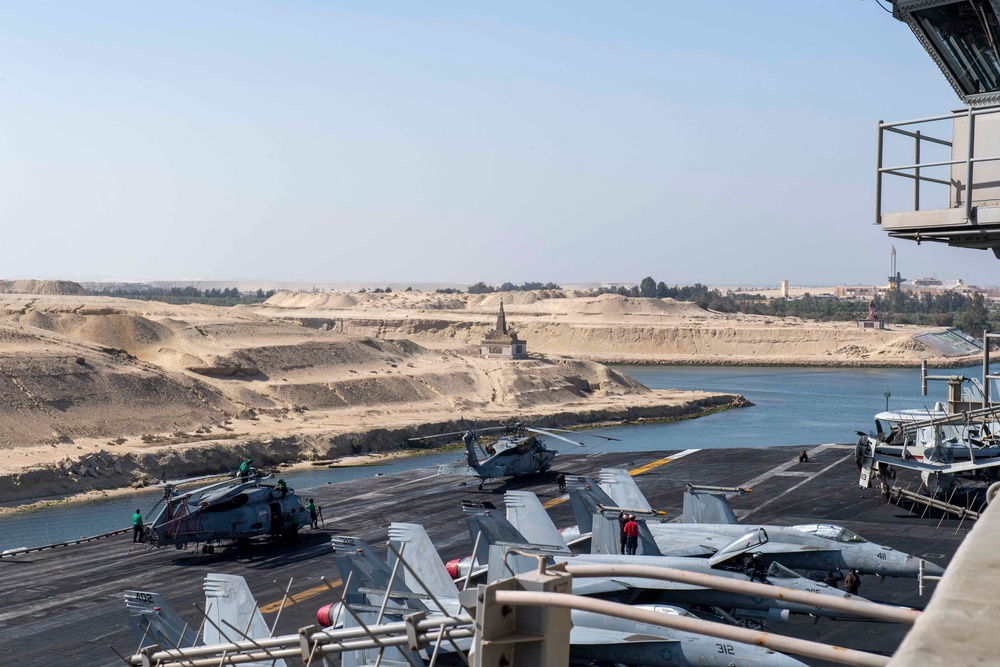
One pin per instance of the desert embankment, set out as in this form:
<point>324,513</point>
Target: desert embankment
<point>99,392</point>
<point>607,328</point>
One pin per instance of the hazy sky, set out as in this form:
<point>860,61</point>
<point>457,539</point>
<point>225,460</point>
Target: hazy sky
<point>714,141</point>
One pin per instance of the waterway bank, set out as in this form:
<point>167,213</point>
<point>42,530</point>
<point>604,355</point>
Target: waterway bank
<point>796,407</point>
<point>732,362</point>
<point>106,472</point>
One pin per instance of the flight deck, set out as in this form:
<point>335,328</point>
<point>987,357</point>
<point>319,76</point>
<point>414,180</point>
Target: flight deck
<point>65,605</point>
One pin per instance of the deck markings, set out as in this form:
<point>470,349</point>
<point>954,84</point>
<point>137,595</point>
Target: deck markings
<point>307,594</point>
<point>795,486</point>
<point>635,471</point>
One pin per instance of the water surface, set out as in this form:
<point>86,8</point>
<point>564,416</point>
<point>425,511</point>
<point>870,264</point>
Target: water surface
<point>793,406</point>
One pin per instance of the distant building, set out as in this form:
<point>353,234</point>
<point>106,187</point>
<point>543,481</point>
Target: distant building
<point>502,342</point>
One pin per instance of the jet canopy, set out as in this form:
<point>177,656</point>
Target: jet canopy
<point>829,531</point>
<point>778,571</point>
<point>750,541</point>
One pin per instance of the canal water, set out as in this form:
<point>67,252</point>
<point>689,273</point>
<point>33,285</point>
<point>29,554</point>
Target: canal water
<point>793,406</point>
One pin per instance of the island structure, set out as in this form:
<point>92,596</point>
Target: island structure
<point>502,342</point>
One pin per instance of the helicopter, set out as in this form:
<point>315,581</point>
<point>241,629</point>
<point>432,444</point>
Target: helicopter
<point>513,454</point>
<point>234,510</point>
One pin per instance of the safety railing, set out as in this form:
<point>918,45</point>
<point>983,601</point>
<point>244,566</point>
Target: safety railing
<point>916,171</point>
<point>490,610</point>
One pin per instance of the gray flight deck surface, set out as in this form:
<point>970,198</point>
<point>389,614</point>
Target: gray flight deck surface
<point>65,605</point>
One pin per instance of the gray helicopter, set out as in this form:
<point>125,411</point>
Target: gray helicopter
<point>512,455</point>
<point>230,510</point>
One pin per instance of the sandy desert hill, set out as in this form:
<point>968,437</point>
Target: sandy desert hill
<point>607,328</point>
<point>99,391</point>
<point>105,387</point>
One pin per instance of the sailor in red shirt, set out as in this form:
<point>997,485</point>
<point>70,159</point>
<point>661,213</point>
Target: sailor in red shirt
<point>631,535</point>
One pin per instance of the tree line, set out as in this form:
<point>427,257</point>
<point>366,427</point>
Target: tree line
<point>483,288</point>
<point>228,296</point>
<point>970,313</point>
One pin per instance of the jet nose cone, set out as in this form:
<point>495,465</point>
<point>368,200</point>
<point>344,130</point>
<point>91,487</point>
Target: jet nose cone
<point>930,569</point>
<point>782,660</point>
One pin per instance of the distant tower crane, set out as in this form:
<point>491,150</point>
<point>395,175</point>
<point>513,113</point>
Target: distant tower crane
<point>895,280</point>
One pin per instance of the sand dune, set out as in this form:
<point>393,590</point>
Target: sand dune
<point>101,391</point>
<point>614,328</point>
<point>163,387</point>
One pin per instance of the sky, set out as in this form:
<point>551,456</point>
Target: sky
<point>719,141</point>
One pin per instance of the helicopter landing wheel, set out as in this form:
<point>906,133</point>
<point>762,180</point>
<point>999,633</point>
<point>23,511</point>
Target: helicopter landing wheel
<point>480,486</point>
<point>207,549</point>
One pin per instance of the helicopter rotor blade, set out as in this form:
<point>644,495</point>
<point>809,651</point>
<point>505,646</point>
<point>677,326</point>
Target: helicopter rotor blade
<point>554,435</point>
<point>475,432</point>
<point>178,482</point>
<point>588,435</point>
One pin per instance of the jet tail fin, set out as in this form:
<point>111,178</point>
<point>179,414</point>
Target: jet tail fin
<point>412,541</point>
<point>607,536</point>
<point>584,496</point>
<point>234,613</point>
<point>154,621</point>
<point>360,565</point>
<point>494,528</point>
<point>623,490</point>
<point>526,514</point>
<point>702,506</point>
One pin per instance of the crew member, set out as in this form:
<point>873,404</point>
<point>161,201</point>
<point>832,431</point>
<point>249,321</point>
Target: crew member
<point>833,578</point>
<point>313,514</point>
<point>753,568</point>
<point>622,520</point>
<point>282,488</point>
<point>631,535</point>
<point>293,529</point>
<point>245,469</point>
<point>561,481</point>
<point>137,526</point>
<point>803,457</point>
<point>852,582</point>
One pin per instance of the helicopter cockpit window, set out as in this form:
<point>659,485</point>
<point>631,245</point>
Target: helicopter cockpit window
<point>964,36</point>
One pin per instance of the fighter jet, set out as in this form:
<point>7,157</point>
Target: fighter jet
<point>230,608</point>
<point>498,536</point>
<point>710,524</point>
<point>594,637</point>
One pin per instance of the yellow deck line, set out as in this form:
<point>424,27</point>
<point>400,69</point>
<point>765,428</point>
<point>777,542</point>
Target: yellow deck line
<point>633,473</point>
<point>299,597</point>
<point>649,466</point>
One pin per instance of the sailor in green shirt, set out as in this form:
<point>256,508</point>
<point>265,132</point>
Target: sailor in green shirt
<point>137,526</point>
<point>245,469</point>
<point>294,529</point>
<point>313,514</point>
